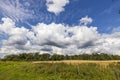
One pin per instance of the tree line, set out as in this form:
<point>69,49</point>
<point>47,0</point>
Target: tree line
<point>48,57</point>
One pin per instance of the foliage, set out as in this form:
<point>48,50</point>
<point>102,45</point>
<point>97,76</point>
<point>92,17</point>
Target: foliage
<point>46,57</point>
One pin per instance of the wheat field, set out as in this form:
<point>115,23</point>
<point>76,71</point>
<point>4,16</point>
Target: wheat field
<point>107,62</point>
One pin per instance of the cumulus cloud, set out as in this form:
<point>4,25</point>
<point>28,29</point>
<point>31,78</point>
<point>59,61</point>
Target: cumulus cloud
<point>15,10</point>
<point>86,20</point>
<point>56,6</point>
<point>57,38</point>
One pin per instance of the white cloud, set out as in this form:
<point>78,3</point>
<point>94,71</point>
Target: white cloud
<point>15,10</point>
<point>57,38</point>
<point>109,43</point>
<point>56,6</point>
<point>86,20</point>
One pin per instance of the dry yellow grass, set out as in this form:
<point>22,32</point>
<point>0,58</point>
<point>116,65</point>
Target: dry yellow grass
<point>81,61</point>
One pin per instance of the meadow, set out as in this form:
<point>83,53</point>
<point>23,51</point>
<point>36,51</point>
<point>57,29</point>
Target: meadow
<point>60,70</point>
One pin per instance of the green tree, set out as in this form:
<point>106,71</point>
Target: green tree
<point>45,57</point>
<point>57,57</point>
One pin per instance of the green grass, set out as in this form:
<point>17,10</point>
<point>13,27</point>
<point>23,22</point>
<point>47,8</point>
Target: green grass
<point>57,71</point>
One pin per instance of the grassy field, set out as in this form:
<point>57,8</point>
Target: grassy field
<point>59,70</point>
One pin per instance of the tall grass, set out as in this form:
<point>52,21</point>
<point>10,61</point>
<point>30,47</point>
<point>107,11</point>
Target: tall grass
<point>58,71</point>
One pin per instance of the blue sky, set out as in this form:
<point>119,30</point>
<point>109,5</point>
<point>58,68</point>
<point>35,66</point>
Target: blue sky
<point>103,15</point>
